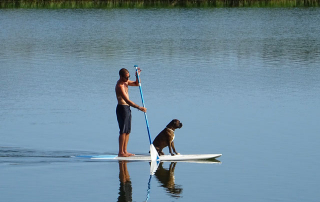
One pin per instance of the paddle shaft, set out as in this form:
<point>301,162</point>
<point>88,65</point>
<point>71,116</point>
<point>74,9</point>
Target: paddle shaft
<point>145,114</point>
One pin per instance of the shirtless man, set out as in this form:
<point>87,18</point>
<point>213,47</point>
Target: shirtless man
<point>123,109</point>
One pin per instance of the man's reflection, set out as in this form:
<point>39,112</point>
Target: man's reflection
<point>166,178</point>
<point>125,190</point>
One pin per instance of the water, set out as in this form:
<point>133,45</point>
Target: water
<point>244,83</point>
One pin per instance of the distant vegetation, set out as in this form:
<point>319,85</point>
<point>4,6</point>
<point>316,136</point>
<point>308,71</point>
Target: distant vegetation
<point>154,3</point>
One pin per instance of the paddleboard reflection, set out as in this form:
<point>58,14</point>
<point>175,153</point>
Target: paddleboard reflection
<point>165,177</point>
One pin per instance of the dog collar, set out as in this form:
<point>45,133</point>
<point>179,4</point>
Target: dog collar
<point>170,129</point>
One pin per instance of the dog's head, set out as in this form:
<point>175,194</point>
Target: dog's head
<point>174,124</point>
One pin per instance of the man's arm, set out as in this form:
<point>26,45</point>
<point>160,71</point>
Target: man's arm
<point>135,83</point>
<point>125,97</point>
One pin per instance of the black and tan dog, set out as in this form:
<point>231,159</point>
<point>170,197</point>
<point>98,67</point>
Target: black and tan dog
<point>166,136</point>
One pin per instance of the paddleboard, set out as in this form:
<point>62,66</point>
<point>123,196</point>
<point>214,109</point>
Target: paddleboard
<point>181,157</point>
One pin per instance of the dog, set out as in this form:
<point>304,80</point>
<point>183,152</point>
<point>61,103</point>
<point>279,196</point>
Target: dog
<point>166,136</point>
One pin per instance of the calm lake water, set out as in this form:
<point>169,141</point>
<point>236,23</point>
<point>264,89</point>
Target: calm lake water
<point>244,83</point>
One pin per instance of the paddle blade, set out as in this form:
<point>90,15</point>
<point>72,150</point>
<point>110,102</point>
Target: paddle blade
<point>154,154</point>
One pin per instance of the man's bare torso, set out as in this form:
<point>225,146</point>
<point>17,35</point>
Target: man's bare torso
<point>119,86</point>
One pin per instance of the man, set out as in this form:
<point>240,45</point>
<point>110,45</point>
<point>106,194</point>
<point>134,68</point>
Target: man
<point>123,109</point>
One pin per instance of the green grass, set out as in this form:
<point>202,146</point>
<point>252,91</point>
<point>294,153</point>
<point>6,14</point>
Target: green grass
<point>104,4</point>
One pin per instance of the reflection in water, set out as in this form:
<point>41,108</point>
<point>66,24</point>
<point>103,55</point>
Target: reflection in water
<point>164,176</point>
<point>125,190</point>
<point>167,180</point>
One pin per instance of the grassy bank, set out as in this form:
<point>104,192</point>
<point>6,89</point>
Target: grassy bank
<point>55,4</point>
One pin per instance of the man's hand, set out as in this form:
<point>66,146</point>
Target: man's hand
<point>143,109</point>
<point>139,70</point>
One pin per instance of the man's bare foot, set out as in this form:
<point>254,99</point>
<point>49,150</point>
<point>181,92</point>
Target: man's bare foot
<point>123,155</point>
<point>130,154</point>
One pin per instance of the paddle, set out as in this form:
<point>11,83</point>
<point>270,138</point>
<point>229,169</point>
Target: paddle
<point>153,152</point>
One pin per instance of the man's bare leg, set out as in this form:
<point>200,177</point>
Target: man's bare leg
<point>126,144</point>
<point>122,145</point>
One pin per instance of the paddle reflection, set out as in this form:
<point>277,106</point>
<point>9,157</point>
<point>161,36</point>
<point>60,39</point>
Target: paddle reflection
<point>125,189</point>
<point>167,179</point>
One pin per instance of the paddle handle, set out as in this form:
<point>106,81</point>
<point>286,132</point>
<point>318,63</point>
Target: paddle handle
<point>145,114</point>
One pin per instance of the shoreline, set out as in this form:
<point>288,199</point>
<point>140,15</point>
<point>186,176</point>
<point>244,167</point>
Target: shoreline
<point>108,4</point>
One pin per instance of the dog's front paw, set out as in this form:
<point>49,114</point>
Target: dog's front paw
<point>172,154</point>
<point>178,153</point>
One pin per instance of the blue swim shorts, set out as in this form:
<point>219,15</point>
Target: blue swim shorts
<point>124,118</point>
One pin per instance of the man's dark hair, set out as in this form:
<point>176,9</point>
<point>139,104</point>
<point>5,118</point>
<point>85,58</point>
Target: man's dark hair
<point>123,72</point>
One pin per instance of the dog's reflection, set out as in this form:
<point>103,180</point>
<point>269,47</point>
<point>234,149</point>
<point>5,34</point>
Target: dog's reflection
<point>167,180</point>
<point>164,176</point>
<point>125,190</point>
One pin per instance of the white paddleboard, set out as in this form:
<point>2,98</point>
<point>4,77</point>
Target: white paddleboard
<point>181,157</point>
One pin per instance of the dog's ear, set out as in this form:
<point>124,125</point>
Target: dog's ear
<point>171,123</point>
